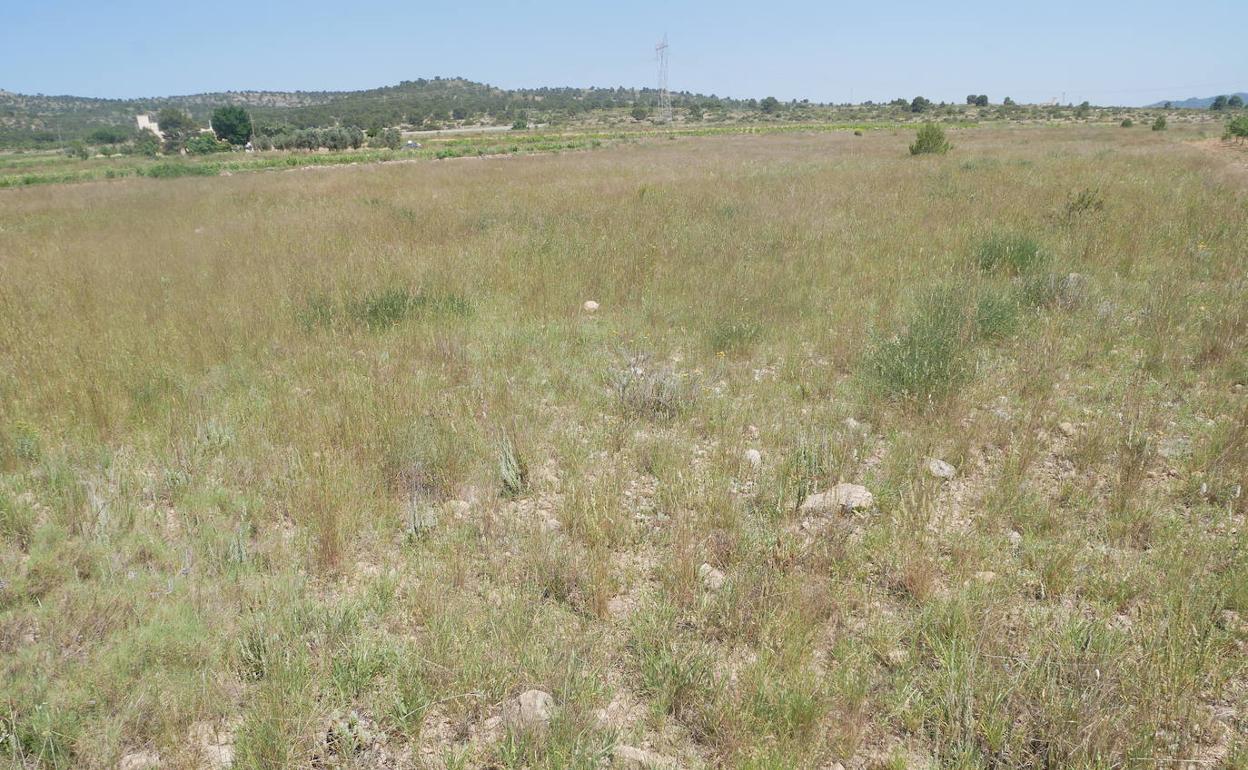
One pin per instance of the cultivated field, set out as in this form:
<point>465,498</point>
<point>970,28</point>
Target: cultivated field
<point>328,467</point>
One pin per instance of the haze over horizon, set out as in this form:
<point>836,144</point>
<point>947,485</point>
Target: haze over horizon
<point>1113,53</point>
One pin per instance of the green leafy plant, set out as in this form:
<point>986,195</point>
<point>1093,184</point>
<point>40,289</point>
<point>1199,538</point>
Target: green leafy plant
<point>930,140</point>
<point>1010,252</point>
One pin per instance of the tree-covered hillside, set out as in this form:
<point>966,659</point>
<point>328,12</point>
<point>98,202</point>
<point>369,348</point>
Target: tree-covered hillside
<point>33,121</point>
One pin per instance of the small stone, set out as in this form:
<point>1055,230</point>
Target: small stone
<point>1072,291</point>
<point>529,711</point>
<point>216,742</point>
<point>1175,448</point>
<point>986,576</point>
<point>590,306</point>
<point>140,760</point>
<point>854,426</point>
<point>753,457</point>
<point>1067,428</point>
<point>712,578</point>
<point>940,469</point>
<point>1016,538</point>
<point>897,657</point>
<point>842,497</point>
<point>633,758</point>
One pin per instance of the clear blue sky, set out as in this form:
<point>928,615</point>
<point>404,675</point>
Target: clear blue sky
<point>1109,52</point>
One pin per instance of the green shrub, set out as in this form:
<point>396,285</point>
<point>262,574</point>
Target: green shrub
<point>1010,252</point>
<point>204,144</point>
<point>1039,290</point>
<point>1087,201</point>
<point>733,335</point>
<point>1160,123</point>
<point>379,310</point>
<point>175,169</point>
<point>927,359</point>
<point>930,139</point>
<point>390,138</point>
<point>1237,128</point>
<point>513,471</point>
<point>997,315</point>
<point>1127,123</point>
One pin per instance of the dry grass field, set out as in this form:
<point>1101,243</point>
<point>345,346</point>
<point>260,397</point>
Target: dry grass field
<point>326,468</point>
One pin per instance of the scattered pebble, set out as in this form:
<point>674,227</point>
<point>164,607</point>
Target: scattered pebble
<point>940,469</point>
<point>590,306</point>
<point>855,426</point>
<point>1016,538</point>
<point>712,578</point>
<point>140,760</point>
<point>1068,429</point>
<point>216,743</point>
<point>1174,448</point>
<point>986,576</point>
<point>897,657</point>
<point>753,457</point>
<point>634,758</point>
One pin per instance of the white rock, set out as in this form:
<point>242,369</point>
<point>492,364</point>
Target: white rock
<point>712,578</point>
<point>1175,448</point>
<point>842,497</point>
<point>1016,538</point>
<point>531,710</point>
<point>854,426</point>
<point>140,760</point>
<point>1067,428</point>
<point>940,469</point>
<point>753,457</point>
<point>590,306</point>
<point>634,758</point>
<point>986,576</point>
<point>897,657</point>
<point>216,743</point>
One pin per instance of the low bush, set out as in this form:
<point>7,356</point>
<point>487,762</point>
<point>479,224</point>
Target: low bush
<point>1009,252</point>
<point>930,140</point>
<point>997,315</point>
<point>733,335</point>
<point>380,309</point>
<point>173,169</point>
<point>205,144</point>
<point>927,359</point>
<point>653,392</point>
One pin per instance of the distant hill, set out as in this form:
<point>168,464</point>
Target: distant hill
<point>1196,102</point>
<point>33,121</point>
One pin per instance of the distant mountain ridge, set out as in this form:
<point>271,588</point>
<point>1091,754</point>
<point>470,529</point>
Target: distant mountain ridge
<point>1197,102</point>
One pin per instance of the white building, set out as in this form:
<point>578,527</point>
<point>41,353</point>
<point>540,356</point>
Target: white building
<point>145,123</point>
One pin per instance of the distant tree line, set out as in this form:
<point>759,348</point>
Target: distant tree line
<point>1220,103</point>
